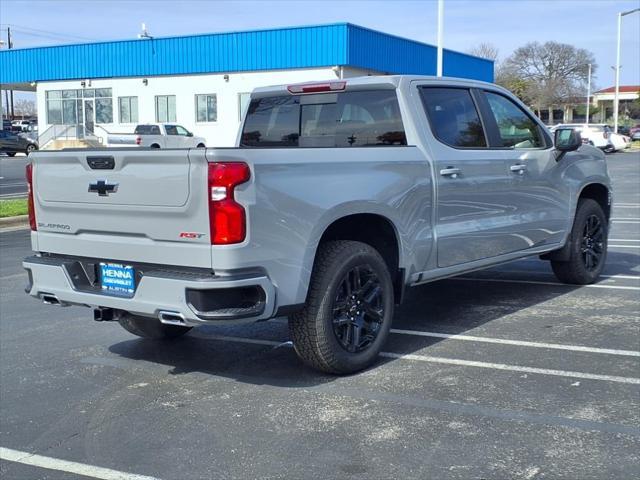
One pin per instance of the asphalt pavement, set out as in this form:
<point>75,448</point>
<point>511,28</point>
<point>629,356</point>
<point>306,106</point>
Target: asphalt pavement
<point>499,374</point>
<point>12,180</point>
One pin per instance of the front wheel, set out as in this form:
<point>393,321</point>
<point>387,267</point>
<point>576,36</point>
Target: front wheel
<point>30,148</point>
<point>147,327</point>
<point>349,309</point>
<point>587,246</point>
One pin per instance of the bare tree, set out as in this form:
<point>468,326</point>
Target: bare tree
<point>485,50</point>
<point>25,108</point>
<point>548,74</point>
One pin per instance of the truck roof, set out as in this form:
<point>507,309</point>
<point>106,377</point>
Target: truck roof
<point>393,81</point>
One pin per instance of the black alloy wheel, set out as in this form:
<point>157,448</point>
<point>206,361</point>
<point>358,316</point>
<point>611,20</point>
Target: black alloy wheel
<point>358,309</point>
<point>586,248</point>
<point>592,247</point>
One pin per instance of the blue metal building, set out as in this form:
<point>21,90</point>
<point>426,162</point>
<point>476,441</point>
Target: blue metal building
<point>342,44</point>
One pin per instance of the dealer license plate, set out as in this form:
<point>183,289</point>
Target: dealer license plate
<point>117,279</point>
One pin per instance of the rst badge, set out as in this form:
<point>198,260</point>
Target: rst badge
<point>191,235</point>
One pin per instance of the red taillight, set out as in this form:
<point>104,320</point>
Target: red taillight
<point>30,206</point>
<point>138,140</point>
<point>317,87</point>
<point>227,220</point>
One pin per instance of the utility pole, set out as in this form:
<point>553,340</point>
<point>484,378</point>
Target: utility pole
<point>588,95</point>
<point>10,45</point>
<point>440,37</point>
<point>617,94</point>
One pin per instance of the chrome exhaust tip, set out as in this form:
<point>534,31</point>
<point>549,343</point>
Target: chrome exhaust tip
<point>171,318</point>
<point>49,299</point>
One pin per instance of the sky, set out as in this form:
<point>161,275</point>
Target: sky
<point>507,24</point>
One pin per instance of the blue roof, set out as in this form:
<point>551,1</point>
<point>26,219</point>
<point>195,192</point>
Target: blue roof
<point>342,44</point>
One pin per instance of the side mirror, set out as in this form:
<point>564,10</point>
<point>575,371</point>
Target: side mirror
<point>190,134</point>
<point>567,139</point>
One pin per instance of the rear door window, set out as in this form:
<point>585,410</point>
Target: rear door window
<point>348,119</point>
<point>453,117</point>
<point>516,128</point>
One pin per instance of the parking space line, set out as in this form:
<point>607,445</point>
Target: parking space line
<point>619,220</point>
<point>453,361</point>
<point>624,246</point>
<point>634,240</point>
<point>533,282</point>
<point>511,368</point>
<point>541,272</point>
<point>523,343</point>
<point>76,468</point>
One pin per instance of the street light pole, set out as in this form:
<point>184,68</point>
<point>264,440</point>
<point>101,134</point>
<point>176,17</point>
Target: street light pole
<point>617,91</point>
<point>440,36</point>
<point>588,95</point>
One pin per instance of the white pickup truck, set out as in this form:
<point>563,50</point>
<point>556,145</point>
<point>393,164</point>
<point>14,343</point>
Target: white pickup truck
<point>157,135</point>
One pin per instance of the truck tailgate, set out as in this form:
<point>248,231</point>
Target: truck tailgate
<point>130,205</point>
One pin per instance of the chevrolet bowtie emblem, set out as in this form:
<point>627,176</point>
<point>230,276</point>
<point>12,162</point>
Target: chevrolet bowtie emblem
<point>103,188</point>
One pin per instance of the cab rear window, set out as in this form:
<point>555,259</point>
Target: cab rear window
<point>147,130</point>
<point>348,119</point>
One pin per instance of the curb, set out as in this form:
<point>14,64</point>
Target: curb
<point>13,222</point>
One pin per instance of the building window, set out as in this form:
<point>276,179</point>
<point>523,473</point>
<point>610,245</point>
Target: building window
<point>104,110</point>
<point>165,108</point>
<point>243,101</point>
<point>206,108</point>
<point>54,107</point>
<point>128,107</point>
<point>72,107</point>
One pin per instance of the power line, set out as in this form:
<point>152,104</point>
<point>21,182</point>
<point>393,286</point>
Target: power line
<point>36,31</point>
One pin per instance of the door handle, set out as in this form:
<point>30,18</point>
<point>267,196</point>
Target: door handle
<point>452,172</point>
<point>518,168</point>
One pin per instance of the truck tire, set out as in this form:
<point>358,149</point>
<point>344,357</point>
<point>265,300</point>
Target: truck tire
<point>587,245</point>
<point>147,327</point>
<point>349,309</point>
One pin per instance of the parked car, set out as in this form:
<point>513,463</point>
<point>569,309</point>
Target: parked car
<point>157,135</point>
<point>597,134</point>
<point>634,132</point>
<point>6,125</point>
<point>619,141</point>
<point>21,125</point>
<point>12,143</point>
<point>31,133</point>
<point>338,196</point>
<point>622,130</point>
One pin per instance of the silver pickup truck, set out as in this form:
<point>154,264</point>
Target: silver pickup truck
<point>156,135</point>
<point>337,197</point>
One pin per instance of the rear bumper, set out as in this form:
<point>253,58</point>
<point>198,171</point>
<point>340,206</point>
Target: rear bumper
<point>197,297</point>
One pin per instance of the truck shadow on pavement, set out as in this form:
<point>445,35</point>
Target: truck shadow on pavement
<point>451,306</point>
